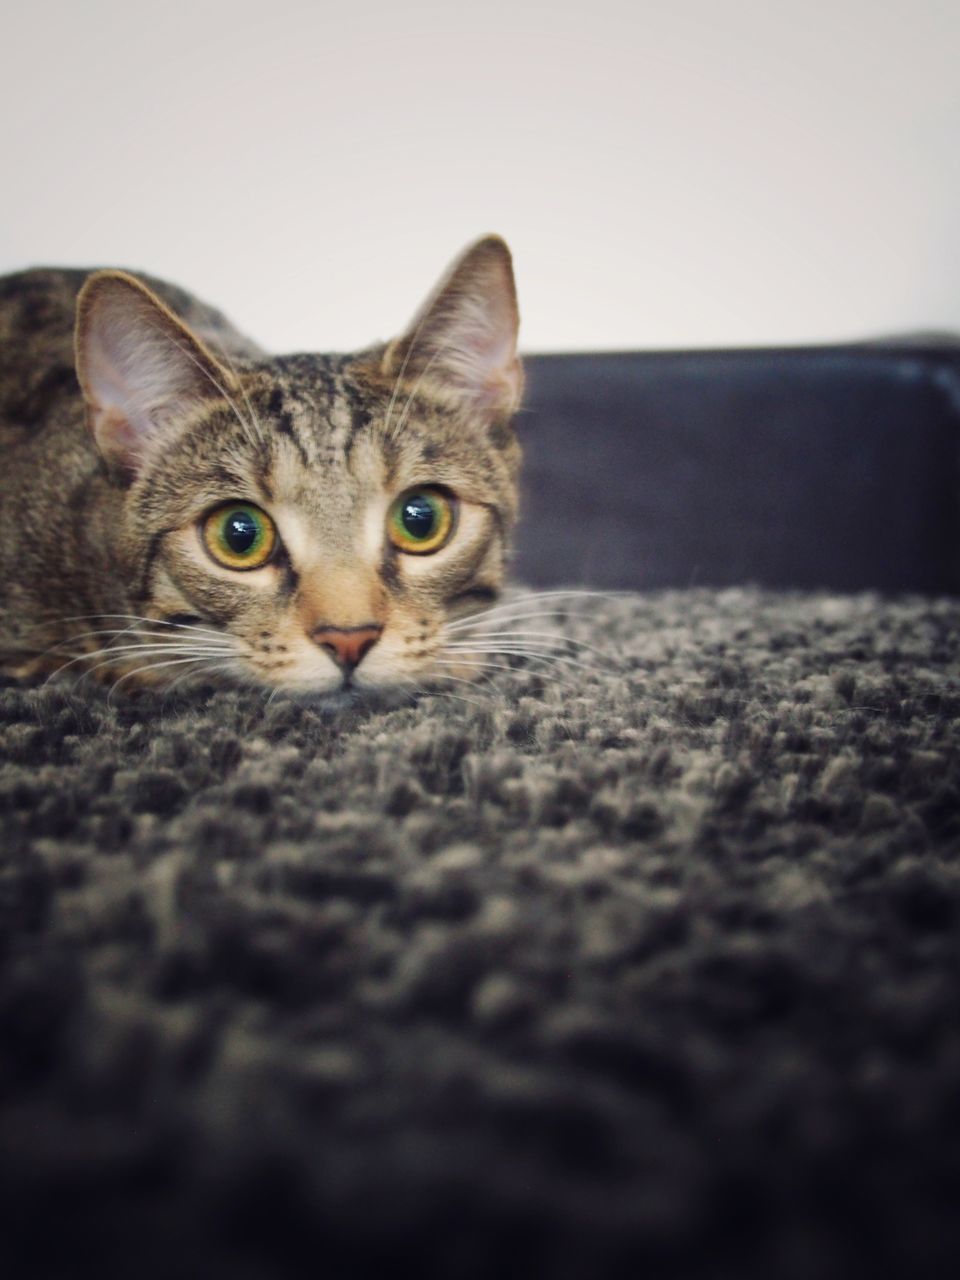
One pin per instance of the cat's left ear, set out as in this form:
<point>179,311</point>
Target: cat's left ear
<point>463,340</point>
<point>140,368</point>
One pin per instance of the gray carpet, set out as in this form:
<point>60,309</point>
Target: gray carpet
<point>603,969</point>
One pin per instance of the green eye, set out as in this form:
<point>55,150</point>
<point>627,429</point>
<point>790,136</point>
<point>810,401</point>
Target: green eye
<point>239,535</point>
<point>420,521</point>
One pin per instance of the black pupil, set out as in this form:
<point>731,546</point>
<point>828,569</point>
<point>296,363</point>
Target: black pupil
<point>418,517</point>
<point>240,532</point>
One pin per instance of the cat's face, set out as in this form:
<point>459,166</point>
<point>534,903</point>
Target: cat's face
<point>310,522</point>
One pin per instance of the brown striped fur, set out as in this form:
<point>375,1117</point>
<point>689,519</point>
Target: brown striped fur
<point>99,517</point>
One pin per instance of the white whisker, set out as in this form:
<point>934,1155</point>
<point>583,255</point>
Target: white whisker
<point>416,387</point>
<point>480,620</point>
<point>445,693</point>
<point>399,379</point>
<point>487,669</point>
<point>138,617</point>
<point>247,427</point>
<point>165,636</point>
<point>529,598</point>
<point>521,652</point>
<point>112,652</point>
<point>150,666</point>
<point>254,417</point>
<point>213,666</point>
<point>558,638</point>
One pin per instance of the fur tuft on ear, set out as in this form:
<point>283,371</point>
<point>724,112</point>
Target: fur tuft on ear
<point>140,368</point>
<point>464,338</point>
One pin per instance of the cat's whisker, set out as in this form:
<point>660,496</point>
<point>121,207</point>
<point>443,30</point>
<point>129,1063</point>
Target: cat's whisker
<point>247,427</point>
<point>523,598</point>
<point>273,693</point>
<point>166,637</point>
<point>445,693</point>
<point>154,639</point>
<point>492,671</point>
<point>540,642</point>
<point>254,417</point>
<point>399,379</point>
<point>427,692</point>
<point>105,666</point>
<point>58,651</point>
<point>150,666</point>
<point>158,648</point>
<point>138,617</point>
<point>492,677</point>
<point>178,643</point>
<point>416,387</point>
<point>112,652</point>
<point>481,663</point>
<point>495,642</point>
<point>478,622</point>
<point>527,599</point>
<point>559,640</point>
<point>411,346</point>
<point>520,652</point>
<point>213,667</point>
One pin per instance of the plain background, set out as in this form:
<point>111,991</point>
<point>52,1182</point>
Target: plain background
<point>668,174</point>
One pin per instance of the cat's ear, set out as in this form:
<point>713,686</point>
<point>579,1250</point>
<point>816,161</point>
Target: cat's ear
<point>140,368</point>
<point>464,338</point>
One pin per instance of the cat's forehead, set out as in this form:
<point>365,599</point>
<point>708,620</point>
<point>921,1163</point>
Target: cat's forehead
<point>331,424</point>
<point>314,415</point>
<point>316,393</point>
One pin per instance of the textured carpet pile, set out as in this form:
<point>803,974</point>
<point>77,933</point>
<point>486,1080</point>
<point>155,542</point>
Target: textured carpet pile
<point>647,966</point>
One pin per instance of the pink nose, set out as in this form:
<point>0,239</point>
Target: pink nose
<point>347,646</point>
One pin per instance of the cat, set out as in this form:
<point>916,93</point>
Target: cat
<point>175,505</point>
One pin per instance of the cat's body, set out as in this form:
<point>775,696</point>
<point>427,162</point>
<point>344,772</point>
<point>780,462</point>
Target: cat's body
<point>59,511</point>
<point>192,506</point>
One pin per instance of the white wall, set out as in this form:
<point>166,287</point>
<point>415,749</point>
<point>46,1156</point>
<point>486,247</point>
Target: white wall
<point>668,172</point>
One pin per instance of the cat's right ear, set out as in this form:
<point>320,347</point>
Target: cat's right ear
<point>463,341</point>
<point>140,368</point>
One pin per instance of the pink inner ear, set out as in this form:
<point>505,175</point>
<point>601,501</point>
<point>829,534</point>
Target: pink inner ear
<point>492,367</point>
<point>120,424</point>
<point>138,366</point>
<point>105,383</point>
<point>117,439</point>
<point>473,339</point>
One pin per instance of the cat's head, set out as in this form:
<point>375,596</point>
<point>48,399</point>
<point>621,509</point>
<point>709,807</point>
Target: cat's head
<point>309,521</point>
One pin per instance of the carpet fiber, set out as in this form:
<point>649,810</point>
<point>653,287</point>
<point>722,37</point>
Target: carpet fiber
<point>651,967</point>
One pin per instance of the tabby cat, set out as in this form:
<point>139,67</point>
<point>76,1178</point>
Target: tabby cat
<point>176,504</point>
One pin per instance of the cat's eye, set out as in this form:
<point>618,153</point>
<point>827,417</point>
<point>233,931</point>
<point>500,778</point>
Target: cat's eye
<point>421,521</point>
<point>239,535</point>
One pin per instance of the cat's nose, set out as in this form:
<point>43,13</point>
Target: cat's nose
<point>347,646</point>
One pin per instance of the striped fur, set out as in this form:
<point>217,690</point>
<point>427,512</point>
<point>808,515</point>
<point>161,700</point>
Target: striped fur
<point>105,479</point>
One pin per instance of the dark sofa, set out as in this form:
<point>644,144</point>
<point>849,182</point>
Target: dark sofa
<point>820,467</point>
<point>640,961</point>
